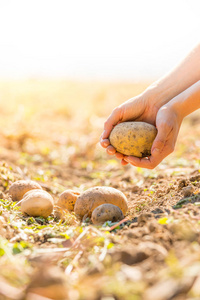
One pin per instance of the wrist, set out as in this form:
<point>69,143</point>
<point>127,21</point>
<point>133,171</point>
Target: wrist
<point>175,108</point>
<point>158,94</point>
<point>187,101</point>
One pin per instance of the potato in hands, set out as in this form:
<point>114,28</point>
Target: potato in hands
<point>133,138</point>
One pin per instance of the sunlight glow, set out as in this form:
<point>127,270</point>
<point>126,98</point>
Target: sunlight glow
<point>95,39</point>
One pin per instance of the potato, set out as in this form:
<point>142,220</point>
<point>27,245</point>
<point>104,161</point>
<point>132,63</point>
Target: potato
<point>106,212</point>
<point>93,197</point>
<point>34,190</point>
<point>133,138</point>
<point>27,193</point>
<point>37,203</point>
<point>68,199</point>
<point>20,187</point>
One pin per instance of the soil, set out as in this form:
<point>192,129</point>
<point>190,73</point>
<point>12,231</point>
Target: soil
<point>154,253</point>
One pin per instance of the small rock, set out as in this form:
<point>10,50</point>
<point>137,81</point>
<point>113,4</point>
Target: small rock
<point>182,183</point>
<point>187,191</point>
<point>135,189</point>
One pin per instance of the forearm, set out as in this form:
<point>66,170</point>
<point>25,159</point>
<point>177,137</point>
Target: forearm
<point>179,79</point>
<point>187,101</point>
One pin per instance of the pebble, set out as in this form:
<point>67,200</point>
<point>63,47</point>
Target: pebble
<point>187,191</point>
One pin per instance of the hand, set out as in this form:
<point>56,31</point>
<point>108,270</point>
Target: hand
<point>140,108</point>
<point>168,123</point>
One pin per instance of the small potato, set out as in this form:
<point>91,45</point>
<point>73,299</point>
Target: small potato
<point>20,187</point>
<point>133,138</point>
<point>106,212</point>
<point>27,193</point>
<point>37,204</point>
<point>93,197</point>
<point>68,199</point>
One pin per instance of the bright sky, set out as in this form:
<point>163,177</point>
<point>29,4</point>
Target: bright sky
<point>105,39</point>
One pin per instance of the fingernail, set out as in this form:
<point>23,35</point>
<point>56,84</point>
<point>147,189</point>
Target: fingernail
<point>126,159</point>
<point>106,144</point>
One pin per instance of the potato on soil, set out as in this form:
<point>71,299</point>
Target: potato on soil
<point>37,203</point>
<point>133,138</point>
<point>68,199</point>
<point>20,187</point>
<point>35,190</point>
<point>106,212</point>
<point>93,197</point>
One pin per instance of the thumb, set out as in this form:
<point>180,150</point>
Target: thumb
<point>110,123</point>
<point>160,140</point>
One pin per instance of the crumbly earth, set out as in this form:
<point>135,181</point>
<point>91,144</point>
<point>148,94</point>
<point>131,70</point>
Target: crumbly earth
<point>49,134</point>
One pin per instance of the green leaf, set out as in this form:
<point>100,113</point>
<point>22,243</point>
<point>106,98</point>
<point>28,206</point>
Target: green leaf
<point>40,220</point>
<point>17,248</point>
<point>30,221</point>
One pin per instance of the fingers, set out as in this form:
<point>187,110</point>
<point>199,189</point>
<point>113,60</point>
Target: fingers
<point>104,142</point>
<point>119,155</point>
<point>112,120</point>
<point>164,132</point>
<point>110,150</point>
<point>123,162</point>
<point>156,157</point>
<point>163,145</point>
<point>148,163</point>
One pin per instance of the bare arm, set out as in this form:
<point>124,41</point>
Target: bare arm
<point>188,101</point>
<point>168,122</point>
<point>185,74</point>
<point>150,105</point>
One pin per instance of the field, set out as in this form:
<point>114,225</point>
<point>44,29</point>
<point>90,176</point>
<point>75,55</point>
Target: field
<point>50,133</point>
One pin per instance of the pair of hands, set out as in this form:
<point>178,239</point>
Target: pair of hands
<point>143,108</point>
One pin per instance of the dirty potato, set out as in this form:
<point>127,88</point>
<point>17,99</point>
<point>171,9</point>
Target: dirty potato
<point>106,212</point>
<point>37,203</point>
<point>68,199</point>
<point>20,187</point>
<point>133,138</point>
<point>95,196</point>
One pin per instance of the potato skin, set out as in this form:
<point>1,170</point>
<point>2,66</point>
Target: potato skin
<point>35,190</point>
<point>95,196</point>
<point>106,212</point>
<point>20,187</point>
<point>68,199</point>
<point>37,203</point>
<point>133,138</point>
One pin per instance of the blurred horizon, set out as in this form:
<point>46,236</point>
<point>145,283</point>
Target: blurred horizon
<point>88,40</point>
